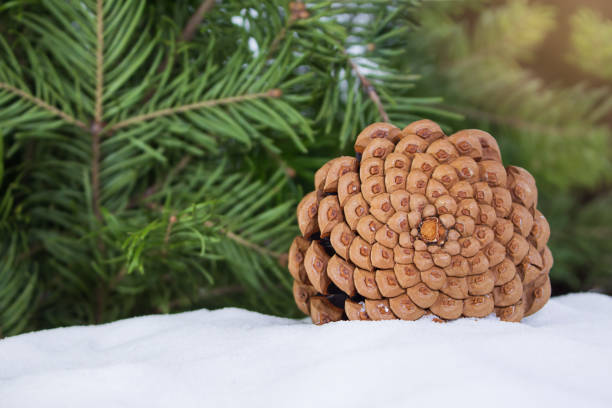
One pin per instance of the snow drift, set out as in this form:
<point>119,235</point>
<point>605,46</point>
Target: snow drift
<point>561,356</point>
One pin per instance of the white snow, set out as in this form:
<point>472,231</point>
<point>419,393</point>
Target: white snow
<point>562,356</point>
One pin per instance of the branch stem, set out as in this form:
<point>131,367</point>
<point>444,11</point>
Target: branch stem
<point>274,93</point>
<point>40,103</point>
<point>195,20</point>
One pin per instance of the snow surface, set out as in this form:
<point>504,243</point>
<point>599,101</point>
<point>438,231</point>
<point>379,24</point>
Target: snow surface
<point>562,356</point>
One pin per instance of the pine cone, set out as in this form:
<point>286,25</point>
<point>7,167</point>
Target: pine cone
<point>420,223</point>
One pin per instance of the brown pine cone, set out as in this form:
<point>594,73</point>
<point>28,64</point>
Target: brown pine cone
<point>421,223</point>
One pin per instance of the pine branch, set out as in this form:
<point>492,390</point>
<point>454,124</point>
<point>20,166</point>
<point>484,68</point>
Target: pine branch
<point>39,102</point>
<point>273,93</point>
<point>107,69</point>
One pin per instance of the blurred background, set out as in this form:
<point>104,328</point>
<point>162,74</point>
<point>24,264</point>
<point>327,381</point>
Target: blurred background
<point>187,207</point>
<point>537,74</point>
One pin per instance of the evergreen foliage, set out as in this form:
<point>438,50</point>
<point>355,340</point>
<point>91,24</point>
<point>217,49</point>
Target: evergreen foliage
<point>149,146</point>
<point>153,152</point>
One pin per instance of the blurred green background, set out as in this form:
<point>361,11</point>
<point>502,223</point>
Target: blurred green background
<point>538,75</point>
<point>191,206</point>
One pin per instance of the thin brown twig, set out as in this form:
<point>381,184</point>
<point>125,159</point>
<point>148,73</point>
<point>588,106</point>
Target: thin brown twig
<point>369,88</point>
<point>99,60</point>
<point>274,93</point>
<point>171,221</point>
<point>187,33</point>
<point>195,20</point>
<point>39,102</point>
<point>279,37</point>
<point>297,11</point>
<point>102,292</point>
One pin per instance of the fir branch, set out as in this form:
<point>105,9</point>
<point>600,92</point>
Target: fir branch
<point>369,88</point>
<point>40,103</point>
<point>81,59</point>
<point>196,19</point>
<point>273,93</point>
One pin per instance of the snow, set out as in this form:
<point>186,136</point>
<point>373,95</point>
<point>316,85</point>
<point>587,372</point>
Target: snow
<point>562,356</point>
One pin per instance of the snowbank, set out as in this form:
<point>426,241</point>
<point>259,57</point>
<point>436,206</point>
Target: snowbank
<point>562,356</point>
